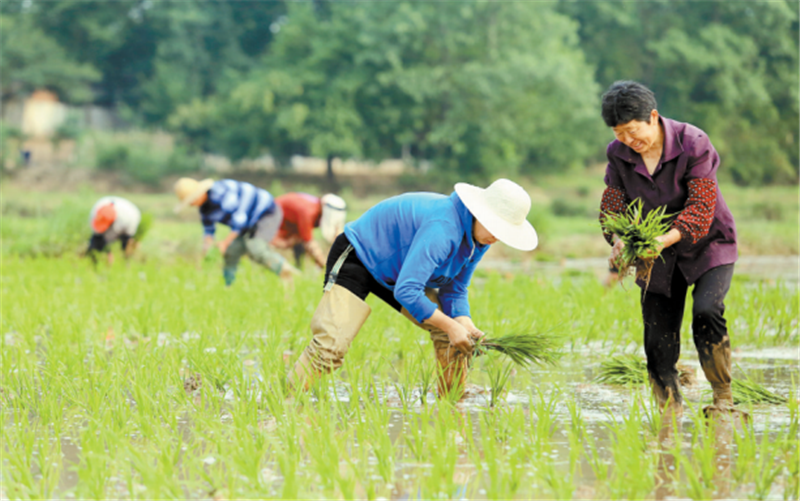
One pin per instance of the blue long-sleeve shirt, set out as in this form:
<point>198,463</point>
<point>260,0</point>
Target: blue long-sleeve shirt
<point>234,203</point>
<point>419,240</point>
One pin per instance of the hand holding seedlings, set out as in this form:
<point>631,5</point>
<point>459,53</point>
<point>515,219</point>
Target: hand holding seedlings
<point>640,238</point>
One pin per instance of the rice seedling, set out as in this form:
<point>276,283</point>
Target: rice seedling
<point>747,391</point>
<point>638,231</point>
<point>625,370</point>
<point>524,349</point>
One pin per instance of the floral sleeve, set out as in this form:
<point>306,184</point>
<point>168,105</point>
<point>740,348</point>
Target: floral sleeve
<point>614,201</point>
<point>696,218</point>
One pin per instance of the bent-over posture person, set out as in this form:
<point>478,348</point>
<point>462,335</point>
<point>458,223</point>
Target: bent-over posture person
<point>301,214</point>
<point>250,212</point>
<point>665,162</point>
<point>111,219</point>
<point>416,252</point>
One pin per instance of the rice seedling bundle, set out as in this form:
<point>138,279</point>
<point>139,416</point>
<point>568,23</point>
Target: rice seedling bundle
<point>630,369</point>
<point>638,231</point>
<point>747,391</point>
<point>524,349</point>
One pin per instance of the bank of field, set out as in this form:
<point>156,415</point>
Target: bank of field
<point>151,381</point>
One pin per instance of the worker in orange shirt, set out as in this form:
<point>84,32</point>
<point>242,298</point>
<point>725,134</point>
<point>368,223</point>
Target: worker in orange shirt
<point>301,214</point>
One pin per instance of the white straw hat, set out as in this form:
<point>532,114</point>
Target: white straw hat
<point>503,209</point>
<point>334,215</point>
<point>188,190</point>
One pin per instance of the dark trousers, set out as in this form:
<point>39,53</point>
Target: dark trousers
<point>662,324</point>
<point>354,276</point>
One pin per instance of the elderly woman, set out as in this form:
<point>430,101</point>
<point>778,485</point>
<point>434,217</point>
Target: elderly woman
<point>416,252</point>
<point>668,163</point>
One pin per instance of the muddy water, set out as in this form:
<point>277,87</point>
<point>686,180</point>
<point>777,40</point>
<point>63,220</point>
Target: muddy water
<point>775,368</point>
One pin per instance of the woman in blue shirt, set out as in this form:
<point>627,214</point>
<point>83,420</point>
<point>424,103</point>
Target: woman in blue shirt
<point>417,252</point>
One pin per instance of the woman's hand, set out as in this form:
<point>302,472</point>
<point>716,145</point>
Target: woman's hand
<point>670,238</point>
<point>616,252</point>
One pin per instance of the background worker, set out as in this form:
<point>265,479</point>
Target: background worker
<point>301,214</point>
<point>250,212</point>
<point>416,252</point>
<point>668,163</point>
<point>111,219</point>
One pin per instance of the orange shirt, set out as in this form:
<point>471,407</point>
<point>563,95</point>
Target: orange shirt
<point>301,213</point>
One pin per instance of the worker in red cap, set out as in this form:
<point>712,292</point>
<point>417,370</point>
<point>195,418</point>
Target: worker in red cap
<point>301,214</point>
<point>112,219</point>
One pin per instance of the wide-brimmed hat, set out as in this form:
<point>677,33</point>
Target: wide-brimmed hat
<point>503,209</point>
<point>104,218</point>
<point>334,215</point>
<point>189,190</point>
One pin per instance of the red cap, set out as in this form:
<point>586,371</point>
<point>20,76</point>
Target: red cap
<point>104,218</point>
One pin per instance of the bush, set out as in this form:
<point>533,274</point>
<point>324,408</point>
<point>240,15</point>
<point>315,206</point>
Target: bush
<point>144,157</point>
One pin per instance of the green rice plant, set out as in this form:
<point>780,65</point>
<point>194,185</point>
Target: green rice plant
<point>145,224</point>
<point>499,374</point>
<point>524,349</point>
<point>638,231</point>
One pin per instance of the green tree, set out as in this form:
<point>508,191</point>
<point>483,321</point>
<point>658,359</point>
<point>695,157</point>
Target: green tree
<point>32,60</point>
<point>730,68</point>
<point>476,88</point>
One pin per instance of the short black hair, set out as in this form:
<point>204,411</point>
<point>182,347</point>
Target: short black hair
<point>627,100</point>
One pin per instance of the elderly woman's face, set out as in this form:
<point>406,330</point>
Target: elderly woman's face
<point>641,137</point>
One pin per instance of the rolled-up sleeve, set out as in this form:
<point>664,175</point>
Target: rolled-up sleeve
<point>428,250</point>
<point>453,296</point>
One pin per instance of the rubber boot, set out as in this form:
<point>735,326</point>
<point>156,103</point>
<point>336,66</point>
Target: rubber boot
<point>452,370</point>
<point>229,273</point>
<point>453,366</point>
<point>668,397</point>
<point>716,362</point>
<point>338,318</point>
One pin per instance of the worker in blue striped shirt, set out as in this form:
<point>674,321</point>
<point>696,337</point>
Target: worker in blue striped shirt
<point>250,212</point>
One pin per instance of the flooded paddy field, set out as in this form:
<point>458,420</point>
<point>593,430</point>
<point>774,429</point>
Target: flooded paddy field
<point>155,382</point>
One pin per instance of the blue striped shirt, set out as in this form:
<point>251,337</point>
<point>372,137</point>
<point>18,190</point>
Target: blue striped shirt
<point>236,204</point>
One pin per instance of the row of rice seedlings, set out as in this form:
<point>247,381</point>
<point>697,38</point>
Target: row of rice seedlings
<point>631,369</point>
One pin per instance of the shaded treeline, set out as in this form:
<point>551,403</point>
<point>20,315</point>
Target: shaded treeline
<point>476,89</point>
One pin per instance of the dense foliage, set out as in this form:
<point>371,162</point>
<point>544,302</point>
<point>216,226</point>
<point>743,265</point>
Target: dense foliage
<point>472,89</point>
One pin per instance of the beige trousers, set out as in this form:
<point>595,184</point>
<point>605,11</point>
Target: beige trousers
<point>335,324</point>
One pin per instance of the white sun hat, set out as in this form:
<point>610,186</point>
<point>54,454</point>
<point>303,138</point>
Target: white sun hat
<point>503,209</point>
<point>334,215</point>
<point>188,190</point>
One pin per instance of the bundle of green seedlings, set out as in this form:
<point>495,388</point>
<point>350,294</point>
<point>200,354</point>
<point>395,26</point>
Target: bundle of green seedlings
<point>747,391</point>
<point>524,349</point>
<point>630,369</point>
<point>638,231</point>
